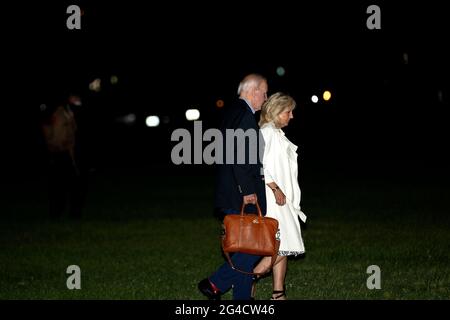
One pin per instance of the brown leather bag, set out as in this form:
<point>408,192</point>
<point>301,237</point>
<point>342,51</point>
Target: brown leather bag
<point>251,234</point>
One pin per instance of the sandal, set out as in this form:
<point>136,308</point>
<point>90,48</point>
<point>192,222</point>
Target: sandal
<point>279,294</point>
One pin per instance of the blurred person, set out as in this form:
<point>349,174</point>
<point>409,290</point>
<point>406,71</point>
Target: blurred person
<point>282,188</point>
<point>237,184</point>
<point>59,129</point>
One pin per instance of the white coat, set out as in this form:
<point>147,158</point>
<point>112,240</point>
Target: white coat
<point>280,166</point>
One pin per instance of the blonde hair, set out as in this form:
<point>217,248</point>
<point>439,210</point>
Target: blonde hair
<point>276,104</point>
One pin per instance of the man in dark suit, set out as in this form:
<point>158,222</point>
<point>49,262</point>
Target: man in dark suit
<point>239,183</point>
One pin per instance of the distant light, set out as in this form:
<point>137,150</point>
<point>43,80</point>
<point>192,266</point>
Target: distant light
<point>165,119</point>
<point>220,103</point>
<point>95,85</point>
<point>405,58</point>
<point>43,107</point>
<point>327,95</point>
<point>440,96</point>
<point>152,121</point>
<point>314,98</point>
<point>192,114</point>
<point>129,119</point>
<point>281,71</point>
<point>114,79</point>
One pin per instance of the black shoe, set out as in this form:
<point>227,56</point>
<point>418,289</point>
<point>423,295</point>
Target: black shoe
<point>207,289</point>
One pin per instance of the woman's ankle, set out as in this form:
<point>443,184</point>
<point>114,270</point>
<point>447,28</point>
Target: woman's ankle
<point>278,295</point>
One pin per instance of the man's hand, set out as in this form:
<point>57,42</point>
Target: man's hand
<point>250,198</point>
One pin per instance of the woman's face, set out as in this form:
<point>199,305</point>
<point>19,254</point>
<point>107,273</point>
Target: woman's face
<point>284,117</point>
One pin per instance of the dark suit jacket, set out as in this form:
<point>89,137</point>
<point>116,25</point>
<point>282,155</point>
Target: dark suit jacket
<point>233,181</point>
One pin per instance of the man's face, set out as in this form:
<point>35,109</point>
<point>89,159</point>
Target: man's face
<point>260,96</point>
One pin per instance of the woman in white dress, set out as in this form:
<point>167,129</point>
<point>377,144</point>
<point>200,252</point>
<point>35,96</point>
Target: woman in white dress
<point>282,188</point>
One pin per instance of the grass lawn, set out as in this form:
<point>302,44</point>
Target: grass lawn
<point>144,237</point>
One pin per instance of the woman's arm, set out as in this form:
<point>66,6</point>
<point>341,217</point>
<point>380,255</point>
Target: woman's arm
<point>280,198</point>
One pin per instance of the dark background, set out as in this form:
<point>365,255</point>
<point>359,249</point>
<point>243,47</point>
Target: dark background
<point>374,166</point>
<point>385,115</point>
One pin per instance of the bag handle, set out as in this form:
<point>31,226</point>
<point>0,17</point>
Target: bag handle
<point>258,209</point>
<point>274,258</point>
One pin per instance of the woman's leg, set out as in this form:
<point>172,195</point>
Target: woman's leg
<point>264,267</point>
<point>261,267</point>
<point>279,275</point>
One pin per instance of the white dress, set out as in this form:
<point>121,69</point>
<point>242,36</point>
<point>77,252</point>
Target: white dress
<point>280,166</point>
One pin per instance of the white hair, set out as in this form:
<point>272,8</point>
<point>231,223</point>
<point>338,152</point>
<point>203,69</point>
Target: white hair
<point>251,81</point>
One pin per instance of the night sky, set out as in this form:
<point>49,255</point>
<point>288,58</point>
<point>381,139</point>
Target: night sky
<point>390,89</point>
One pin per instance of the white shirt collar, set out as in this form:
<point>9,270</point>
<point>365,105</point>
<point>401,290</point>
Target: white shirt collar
<point>248,103</point>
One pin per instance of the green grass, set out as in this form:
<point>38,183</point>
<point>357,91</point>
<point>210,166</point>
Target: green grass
<point>154,238</point>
